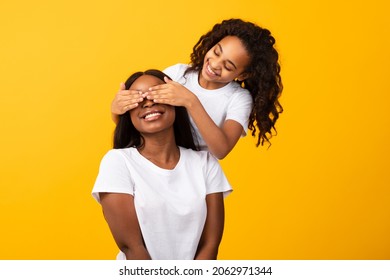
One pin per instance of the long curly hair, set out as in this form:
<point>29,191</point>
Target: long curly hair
<point>264,81</point>
<point>126,135</point>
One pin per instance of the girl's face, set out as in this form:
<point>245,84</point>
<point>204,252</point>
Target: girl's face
<point>223,63</point>
<point>149,117</point>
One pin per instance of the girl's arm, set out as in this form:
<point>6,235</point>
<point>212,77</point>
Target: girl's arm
<point>119,212</point>
<point>220,140</point>
<point>213,228</point>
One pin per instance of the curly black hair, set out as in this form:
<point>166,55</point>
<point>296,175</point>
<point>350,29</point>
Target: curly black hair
<point>264,81</point>
<point>126,135</point>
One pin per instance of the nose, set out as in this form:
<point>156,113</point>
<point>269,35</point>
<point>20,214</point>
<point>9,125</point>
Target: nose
<point>215,62</point>
<point>147,103</point>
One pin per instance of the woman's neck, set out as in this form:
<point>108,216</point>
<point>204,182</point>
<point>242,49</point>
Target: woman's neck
<point>165,154</point>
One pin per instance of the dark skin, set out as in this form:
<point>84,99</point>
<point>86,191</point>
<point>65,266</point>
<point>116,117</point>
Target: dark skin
<point>213,229</point>
<point>159,147</point>
<point>119,212</point>
<point>224,63</point>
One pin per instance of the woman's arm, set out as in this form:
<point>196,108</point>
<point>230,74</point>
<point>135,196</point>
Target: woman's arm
<point>213,228</point>
<point>220,140</point>
<point>119,212</point>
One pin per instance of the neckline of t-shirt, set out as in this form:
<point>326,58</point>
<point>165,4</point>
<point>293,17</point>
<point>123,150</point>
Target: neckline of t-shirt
<point>199,89</point>
<point>156,167</point>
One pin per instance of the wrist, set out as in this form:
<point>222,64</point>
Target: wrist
<point>192,102</point>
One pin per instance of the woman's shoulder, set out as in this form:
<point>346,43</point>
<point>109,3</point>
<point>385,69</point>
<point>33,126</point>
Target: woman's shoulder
<point>118,154</point>
<point>202,156</point>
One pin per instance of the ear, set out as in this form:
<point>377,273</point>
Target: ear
<point>243,77</point>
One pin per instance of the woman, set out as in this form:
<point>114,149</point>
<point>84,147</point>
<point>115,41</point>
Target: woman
<point>161,198</point>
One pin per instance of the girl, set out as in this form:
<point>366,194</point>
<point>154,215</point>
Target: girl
<point>232,83</point>
<point>160,197</point>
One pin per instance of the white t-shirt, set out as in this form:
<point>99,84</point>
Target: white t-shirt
<point>231,102</point>
<point>170,204</point>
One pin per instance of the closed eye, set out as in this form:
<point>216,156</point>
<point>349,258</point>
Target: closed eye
<point>217,51</point>
<point>228,68</point>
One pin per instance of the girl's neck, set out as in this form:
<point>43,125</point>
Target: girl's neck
<point>209,85</point>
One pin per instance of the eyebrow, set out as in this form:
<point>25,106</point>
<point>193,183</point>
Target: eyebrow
<point>229,61</point>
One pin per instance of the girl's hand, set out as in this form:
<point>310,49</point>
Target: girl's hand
<point>171,93</point>
<point>125,100</point>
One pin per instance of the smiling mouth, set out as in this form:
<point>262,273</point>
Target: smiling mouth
<point>211,70</point>
<point>152,116</point>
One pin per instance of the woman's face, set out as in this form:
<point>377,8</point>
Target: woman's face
<point>224,62</point>
<point>149,117</point>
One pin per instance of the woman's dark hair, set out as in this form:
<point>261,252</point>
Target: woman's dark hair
<point>126,135</point>
<point>264,81</point>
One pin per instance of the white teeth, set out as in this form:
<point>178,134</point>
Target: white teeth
<point>211,71</point>
<point>148,116</point>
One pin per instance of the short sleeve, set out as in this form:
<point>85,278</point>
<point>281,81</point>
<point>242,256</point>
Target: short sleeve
<point>216,180</point>
<point>114,175</point>
<point>175,72</point>
<point>240,109</point>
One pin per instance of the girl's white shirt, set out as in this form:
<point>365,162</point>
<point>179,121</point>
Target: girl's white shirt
<point>231,102</point>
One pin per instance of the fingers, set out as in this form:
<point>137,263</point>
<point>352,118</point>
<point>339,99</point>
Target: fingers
<point>126,100</point>
<point>130,107</point>
<point>152,95</point>
<point>162,98</point>
<point>122,86</point>
<point>159,87</point>
<point>128,93</point>
<point>158,91</point>
<point>131,103</point>
<point>157,94</point>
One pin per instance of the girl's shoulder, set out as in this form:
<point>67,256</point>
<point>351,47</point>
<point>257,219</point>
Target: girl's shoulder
<point>234,86</point>
<point>176,69</point>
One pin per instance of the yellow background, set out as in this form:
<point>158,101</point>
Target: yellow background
<point>320,192</point>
